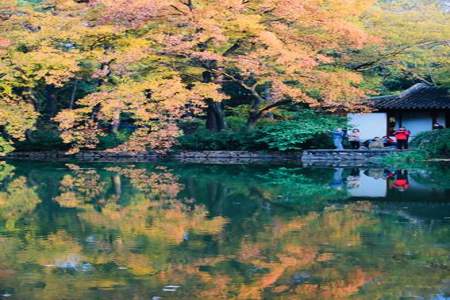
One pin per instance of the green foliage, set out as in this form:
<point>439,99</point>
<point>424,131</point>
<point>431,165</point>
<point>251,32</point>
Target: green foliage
<point>5,146</point>
<point>297,186</point>
<point>414,44</point>
<point>405,158</point>
<point>45,138</point>
<point>6,170</point>
<point>235,123</point>
<point>204,139</point>
<point>434,143</point>
<point>114,139</point>
<point>302,130</point>
<point>426,145</point>
<point>297,133</point>
<point>191,126</point>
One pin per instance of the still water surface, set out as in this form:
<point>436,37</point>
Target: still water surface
<point>186,231</point>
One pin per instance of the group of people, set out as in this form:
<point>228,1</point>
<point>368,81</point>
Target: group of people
<point>397,180</point>
<point>354,138</point>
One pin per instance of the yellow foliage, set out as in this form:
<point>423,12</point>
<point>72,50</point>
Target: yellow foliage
<point>146,59</point>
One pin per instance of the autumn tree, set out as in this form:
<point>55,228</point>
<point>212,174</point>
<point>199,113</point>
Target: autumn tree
<point>95,66</point>
<point>166,59</point>
<point>16,116</point>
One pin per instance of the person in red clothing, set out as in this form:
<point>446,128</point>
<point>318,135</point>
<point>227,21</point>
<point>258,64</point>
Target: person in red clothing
<point>401,182</point>
<point>402,137</point>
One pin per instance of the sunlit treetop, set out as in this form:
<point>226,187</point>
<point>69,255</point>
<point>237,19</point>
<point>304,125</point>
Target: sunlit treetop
<point>416,40</point>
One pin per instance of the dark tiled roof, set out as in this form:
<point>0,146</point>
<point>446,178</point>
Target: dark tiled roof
<point>419,96</point>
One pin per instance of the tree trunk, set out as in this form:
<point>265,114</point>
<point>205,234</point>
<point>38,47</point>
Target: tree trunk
<point>253,117</point>
<point>74,92</point>
<point>215,120</point>
<point>115,122</point>
<point>117,185</point>
<point>52,103</point>
<point>255,113</point>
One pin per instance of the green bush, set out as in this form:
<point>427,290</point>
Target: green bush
<point>204,139</point>
<point>191,126</point>
<point>5,146</point>
<point>434,143</point>
<point>112,140</point>
<point>306,130</point>
<point>426,145</point>
<point>236,123</point>
<point>405,158</point>
<point>45,138</point>
<point>303,130</point>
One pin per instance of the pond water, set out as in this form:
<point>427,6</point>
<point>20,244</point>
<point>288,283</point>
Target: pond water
<point>186,231</point>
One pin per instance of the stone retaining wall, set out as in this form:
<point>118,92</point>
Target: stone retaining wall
<point>343,157</point>
<point>188,156</point>
<point>83,156</point>
<point>309,157</point>
<point>236,155</point>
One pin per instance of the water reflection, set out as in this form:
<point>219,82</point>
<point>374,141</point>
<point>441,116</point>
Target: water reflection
<point>102,231</point>
<point>389,184</point>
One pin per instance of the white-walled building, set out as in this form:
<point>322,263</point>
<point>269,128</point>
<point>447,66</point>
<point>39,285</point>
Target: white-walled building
<point>417,109</point>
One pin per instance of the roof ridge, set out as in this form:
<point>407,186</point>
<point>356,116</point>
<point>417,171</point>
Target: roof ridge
<point>419,96</point>
<point>416,88</point>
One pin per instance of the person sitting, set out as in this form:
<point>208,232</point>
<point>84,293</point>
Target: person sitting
<point>388,141</point>
<point>354,139</point>
<point>376,143</point>
<point>402,137</point>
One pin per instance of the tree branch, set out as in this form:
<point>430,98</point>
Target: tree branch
<point>365,65</point>
<point>274,105</point>
<point>177,9</point>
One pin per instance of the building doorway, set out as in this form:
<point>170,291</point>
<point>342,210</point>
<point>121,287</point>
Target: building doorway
<point>392,123</point>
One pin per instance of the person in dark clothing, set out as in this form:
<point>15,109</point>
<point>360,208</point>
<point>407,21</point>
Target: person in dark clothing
<point>402,137</point>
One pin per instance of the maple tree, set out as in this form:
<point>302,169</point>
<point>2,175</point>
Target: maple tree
<point>154,62</point>
<point>96,66</point>
<point>34,56</point>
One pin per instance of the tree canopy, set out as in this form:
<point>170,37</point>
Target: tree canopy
<point>89,66</point>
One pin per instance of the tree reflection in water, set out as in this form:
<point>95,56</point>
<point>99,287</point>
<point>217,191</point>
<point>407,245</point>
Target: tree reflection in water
<point>212,232</point>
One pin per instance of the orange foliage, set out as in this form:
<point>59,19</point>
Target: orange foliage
<point>149,57</point>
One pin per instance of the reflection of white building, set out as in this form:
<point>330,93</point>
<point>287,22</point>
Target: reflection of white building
<point>417,109</point>
<point>370,187</point>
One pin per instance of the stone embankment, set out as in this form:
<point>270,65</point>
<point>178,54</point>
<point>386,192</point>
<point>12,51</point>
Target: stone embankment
<point>225,157</point>
<point>308,157</point>
<point>235,157</point>
<point>82,156</point>
<point>324,157</point>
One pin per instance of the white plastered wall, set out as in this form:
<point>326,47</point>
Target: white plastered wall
<point>417,122</point>
<point>369,124</point>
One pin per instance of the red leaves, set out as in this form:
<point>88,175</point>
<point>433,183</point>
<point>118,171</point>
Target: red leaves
<point>126,13</point>
<point>4,43</point>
